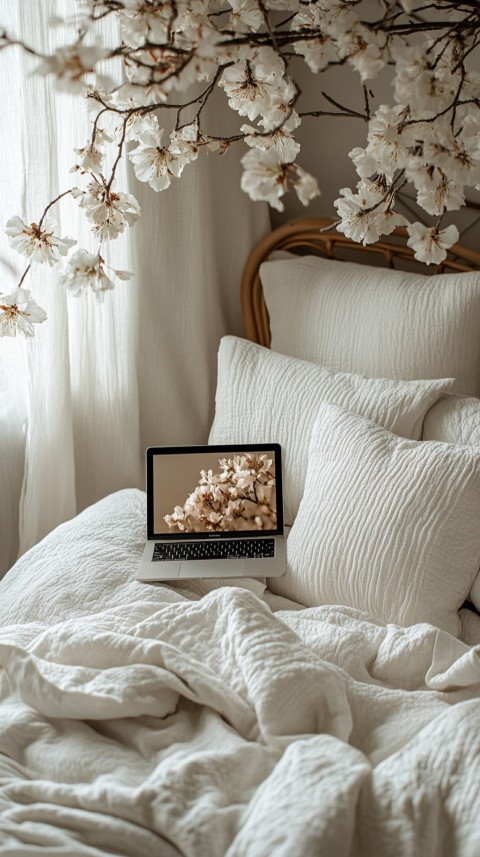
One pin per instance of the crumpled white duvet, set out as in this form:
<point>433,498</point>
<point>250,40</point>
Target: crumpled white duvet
<point>153,720</point>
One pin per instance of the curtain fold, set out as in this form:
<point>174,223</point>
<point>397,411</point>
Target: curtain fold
<point>99,383</point>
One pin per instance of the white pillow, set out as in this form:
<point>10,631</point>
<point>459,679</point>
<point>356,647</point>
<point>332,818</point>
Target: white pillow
<point>386,525</point>
<point>380,322</point>
<point>453,419</point>
<point>264,397</point>
<point>456,420</point>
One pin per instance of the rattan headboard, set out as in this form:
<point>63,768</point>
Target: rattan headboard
<point>315,237</point>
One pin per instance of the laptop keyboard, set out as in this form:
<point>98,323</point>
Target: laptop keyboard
<point>234,549</point>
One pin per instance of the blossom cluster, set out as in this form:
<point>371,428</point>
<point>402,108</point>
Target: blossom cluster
<point>427,136</point>
<point>241,496</point>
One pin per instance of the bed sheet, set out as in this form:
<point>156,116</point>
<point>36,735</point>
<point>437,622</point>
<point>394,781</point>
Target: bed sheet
<point>142,719</point>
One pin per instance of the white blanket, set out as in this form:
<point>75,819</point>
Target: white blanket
<point>152,720</point>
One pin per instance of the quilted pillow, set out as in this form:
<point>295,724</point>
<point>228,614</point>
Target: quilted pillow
<point>264,396</point>
<point>382,323</point>
<point>386,525</point>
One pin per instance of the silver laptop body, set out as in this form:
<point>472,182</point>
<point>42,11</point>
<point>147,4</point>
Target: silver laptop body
<point>213,511</point>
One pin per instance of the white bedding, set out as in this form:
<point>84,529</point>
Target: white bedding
<point>149,720</point>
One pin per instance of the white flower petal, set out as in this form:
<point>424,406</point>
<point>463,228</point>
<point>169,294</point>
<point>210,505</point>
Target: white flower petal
<point>39,244</point>
<point>430,244</point>
<point>18,312</point>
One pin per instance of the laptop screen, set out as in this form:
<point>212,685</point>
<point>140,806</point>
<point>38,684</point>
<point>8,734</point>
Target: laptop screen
<point>214,491</point>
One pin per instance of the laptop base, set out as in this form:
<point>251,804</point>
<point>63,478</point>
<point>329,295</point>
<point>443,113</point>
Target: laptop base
<point>198,569</point>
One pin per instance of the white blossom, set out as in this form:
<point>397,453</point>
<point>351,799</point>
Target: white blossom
<point>266,178</point>
<point>90,159</point>
<point>141,21</point>
<point>365,163</point>
<point>18,312</point>
<point>139,124</point>
<point>368,214</point>
<point>162,70</point>
<point>256,87</point>
<point>280,140</point>
<point>306,185</point>
<point>319,51</point>
<point>86,272</point>
<point>71,64</point>
<point>426,83</point>
<point>108,210</point>
<point>338,21</point>
<point>91,156</point>
<point>157,164</point>
<point>430,243</point>
<point>187,141</point>
<point>246,16</point>
<point>436,192</point>
<point>38,243</point>
<point>366,51</point>
<point>457,155</point>
<point>386,145</point>
<point>153,74</point>
<point>193,31</point>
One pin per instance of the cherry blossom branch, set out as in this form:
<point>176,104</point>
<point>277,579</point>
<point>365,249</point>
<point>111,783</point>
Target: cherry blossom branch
<point>201,99</point>
<point>427,136</point>
<point>347,112</point>
<point>430,26</point>
<point>20,283</point>
<point>119,155</point>
<point>268,27</point>
<point>51,204</point>
<point>7,42</point>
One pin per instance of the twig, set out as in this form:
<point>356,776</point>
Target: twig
<point>51,204</point>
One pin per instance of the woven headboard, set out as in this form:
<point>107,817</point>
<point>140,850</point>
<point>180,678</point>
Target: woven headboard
<point>317,236</point>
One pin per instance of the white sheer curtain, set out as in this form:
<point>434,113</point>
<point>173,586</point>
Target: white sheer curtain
<point>80,402</point>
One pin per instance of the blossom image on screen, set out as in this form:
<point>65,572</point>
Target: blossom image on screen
<point>241,496</point>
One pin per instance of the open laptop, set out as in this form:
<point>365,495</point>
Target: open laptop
<point>214,511</point>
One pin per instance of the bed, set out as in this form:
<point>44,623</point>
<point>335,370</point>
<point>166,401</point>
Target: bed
<point>334,711</point>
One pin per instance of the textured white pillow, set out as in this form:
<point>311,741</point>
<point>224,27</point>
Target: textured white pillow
<point>386,525</point>
<point>453,419</point>
<point>263,396</point>
<point>379,322</point>
<point>456,420</point>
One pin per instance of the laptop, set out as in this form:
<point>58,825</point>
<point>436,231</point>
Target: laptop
<point>213,511</point>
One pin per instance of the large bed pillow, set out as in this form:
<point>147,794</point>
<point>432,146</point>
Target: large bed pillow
<point>379,322</point>
<point>454,419</point>
<point>263,397</point>
<point>386,525</point>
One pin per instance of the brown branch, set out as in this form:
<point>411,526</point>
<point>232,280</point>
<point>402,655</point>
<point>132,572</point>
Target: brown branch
<point>346,115</point>
<point>268,27</point>
<point>24,275</point>
<point>51,204</point>
<point>8,43</point>
<point>119,155</point>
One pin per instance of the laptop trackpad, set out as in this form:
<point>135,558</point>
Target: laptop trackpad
<point>216,568</point>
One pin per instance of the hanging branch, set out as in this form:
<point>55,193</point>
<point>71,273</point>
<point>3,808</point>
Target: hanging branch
<point>425,137</point>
